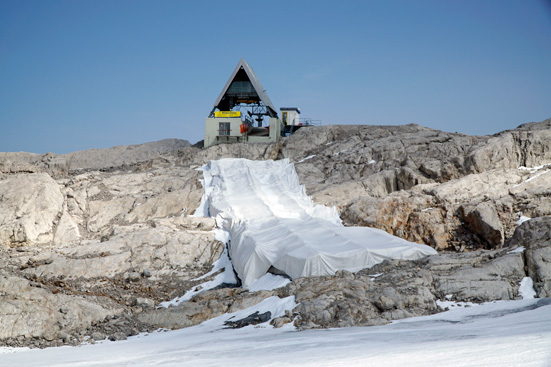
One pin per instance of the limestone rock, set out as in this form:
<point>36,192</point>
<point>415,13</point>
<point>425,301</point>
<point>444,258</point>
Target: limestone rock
<point>144,303</point>
<point>95,159</point>
<point>86,160</point>
<point>202,307</point>
<point>356,152</point>
<point>280,321</point>
<point>32,312</point>
<point>414,217</point>
<point>352,167</point>
<point>484,221</point>
<point>398,289</point>
<point>529,145</point>
<point>30,207</point>
<point>19,162</point>
<point>532,196</point>
<point>97,202</point>
<point>85,221</point>
<point>535,236</point>
<point>67,230</point>
<point>476,276</point>
<point>163,250</point>
<point>477,187</point>
<point>347,299</point>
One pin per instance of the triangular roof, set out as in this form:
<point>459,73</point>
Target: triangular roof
<point>259,89</point>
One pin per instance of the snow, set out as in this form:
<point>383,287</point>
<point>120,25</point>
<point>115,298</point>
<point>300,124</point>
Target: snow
<point>522,219</point>
<point>538,175</point>
<point>533,170</point>
<point>269,282</point>
<point>519,249</point>
<point>526,289</point>
<point>342,151</point>
<point>307,158</point>
<point>272,222</point>
<point>226,275</point>
<point>500,334</point>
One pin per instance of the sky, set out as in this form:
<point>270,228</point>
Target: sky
<point>76,75</point>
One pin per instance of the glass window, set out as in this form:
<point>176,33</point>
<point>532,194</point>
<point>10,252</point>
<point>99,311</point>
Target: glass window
<point>224,128</point>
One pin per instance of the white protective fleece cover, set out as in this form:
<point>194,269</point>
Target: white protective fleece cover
<point>272,222</point>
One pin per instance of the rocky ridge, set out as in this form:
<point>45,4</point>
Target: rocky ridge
<point>92,241</point>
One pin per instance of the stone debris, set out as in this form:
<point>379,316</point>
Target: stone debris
<point>253,319</point>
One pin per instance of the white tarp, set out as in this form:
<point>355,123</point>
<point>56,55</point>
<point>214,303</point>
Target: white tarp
<point>273,222</point>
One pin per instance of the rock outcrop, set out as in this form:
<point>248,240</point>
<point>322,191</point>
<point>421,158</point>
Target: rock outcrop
<point>203,307</point>
<point>389,291</point>
<point>93,241</point>
<point>30,312</point>
<point>120,157</point>
<point>31,207</point>
<point>477,276</point>
<point>449,190</point>
<point>535,236</point>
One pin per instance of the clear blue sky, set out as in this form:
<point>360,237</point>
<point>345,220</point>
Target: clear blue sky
<point>87,74</point>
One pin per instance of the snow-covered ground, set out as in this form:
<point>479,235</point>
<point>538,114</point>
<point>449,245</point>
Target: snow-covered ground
<point>511,333</point>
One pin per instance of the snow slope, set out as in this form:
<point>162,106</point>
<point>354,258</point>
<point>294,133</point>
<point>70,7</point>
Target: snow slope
<point>501,334</point>
<point>273,222</point>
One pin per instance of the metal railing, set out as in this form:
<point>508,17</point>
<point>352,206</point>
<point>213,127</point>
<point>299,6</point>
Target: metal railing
<point>306,121</point>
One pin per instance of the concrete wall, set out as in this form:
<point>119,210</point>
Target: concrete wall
<point>275,128</point>
<point>213,137</point>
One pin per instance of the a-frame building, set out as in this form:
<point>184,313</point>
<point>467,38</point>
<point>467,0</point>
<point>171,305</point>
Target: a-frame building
<point>241,110</point>
<point>243,86</point>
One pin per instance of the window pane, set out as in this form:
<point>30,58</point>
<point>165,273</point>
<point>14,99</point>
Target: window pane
<point>223,128</point>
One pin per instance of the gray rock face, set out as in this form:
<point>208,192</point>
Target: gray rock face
<point>29,311</point>
<point>477,276</point>
<point>144,303</point>
<point>426,185</point>
<point>120,156</point>
<point>387,292</point>
<point>30,208</point>
<point>354,152</point>
<point>203,307</point>
<point>399,289</point>
<point>176,247</point>
<point>86,160</point>
<point>92,240</point>
<point>535,236</point>
<point>484,221</point>
<point>529,146</point>
<point>90,244</point>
